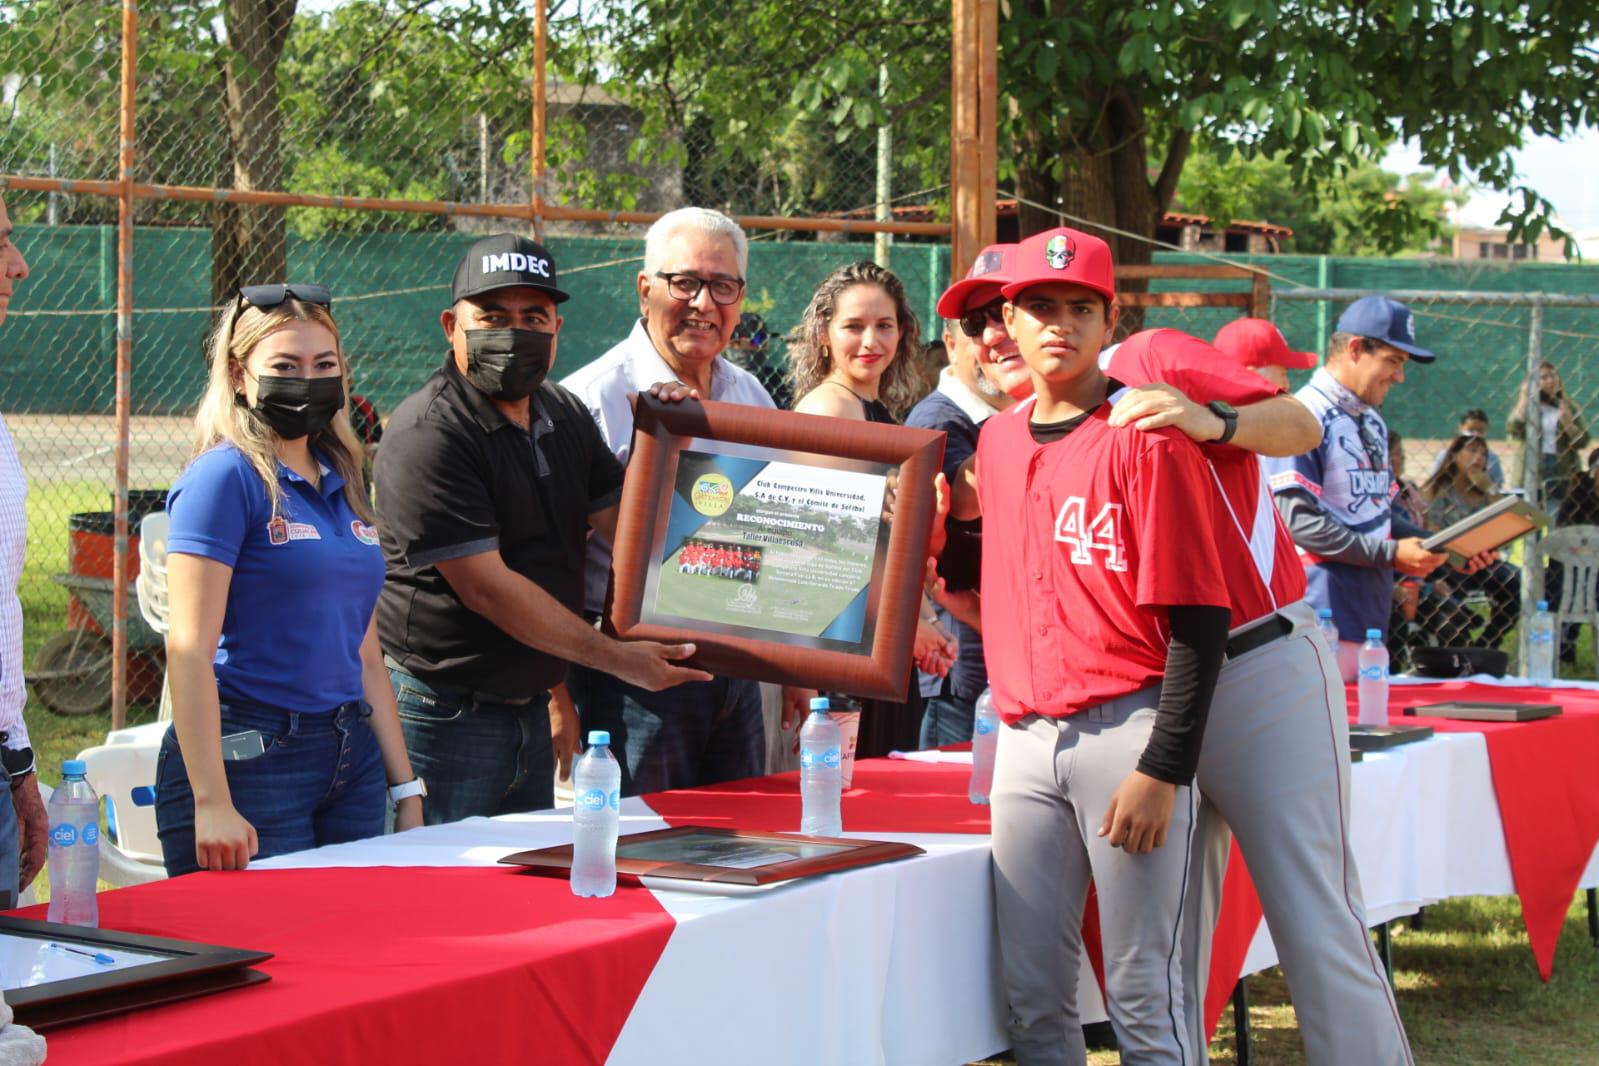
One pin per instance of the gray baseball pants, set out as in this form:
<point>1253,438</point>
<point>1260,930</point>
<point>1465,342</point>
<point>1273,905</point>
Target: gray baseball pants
<point>1053,779</point>
<point>1275,768</point>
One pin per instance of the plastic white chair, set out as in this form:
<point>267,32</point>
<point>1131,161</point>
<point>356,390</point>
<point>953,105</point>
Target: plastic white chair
<point>151,585</point>
<point>1576,549</point>
<point>122,771</point>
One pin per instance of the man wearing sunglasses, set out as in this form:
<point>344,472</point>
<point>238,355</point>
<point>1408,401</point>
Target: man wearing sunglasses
<point>690,292</point>
<point>24,827</point>
<point>488,481</point>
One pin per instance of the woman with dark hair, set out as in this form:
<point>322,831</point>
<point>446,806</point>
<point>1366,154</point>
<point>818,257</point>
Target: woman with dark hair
<point>1461,486</point>
<point>853,356</point>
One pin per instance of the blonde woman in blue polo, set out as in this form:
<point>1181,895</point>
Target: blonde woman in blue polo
<point>285,734</point>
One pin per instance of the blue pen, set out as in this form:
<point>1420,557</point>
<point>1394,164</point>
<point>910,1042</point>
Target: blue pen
<point>98,956</point>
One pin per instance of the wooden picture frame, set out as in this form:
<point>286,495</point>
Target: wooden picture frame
<point>752,857</point>
<point>865,650</point>
<point>1501,522</point>
<point>175,970</point>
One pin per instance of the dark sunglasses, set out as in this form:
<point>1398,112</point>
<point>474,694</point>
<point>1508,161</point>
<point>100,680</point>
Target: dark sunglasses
<point>265,296</point>
<point>973,322</point>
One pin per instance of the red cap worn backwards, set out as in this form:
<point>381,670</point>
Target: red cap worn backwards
<point>1064,255</point>
<point>981,284</point>
<point>1255,342</point>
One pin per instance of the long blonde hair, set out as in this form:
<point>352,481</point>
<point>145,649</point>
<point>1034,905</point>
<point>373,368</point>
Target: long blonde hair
<point>221,418</point>
<point>810,360</point>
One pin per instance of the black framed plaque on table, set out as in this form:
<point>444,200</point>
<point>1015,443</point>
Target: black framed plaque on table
<point>787,547</point>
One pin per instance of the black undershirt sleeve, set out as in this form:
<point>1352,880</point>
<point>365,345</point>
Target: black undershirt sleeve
<point>1193,659</point>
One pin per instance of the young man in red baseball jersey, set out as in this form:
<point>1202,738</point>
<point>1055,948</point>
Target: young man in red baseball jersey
<point>1274,766</point>
<point>1104,631</point>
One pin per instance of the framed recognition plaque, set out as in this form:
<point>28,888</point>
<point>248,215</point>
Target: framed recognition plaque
<point>787,547</point>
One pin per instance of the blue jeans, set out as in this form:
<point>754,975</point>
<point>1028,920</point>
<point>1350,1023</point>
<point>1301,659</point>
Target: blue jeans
<point>479,757</point>
<point>319,781</point>
<point>10,844</point>
<point>695,734</point>
<point>947,720</point>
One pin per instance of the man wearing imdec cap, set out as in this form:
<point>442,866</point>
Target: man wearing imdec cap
<point>489,480</point>
<point>1335,499</point>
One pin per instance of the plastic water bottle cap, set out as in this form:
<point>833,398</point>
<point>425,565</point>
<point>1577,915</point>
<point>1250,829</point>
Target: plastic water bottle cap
<point>1373,634</point>
<point>1543,605</point>
<point>599,738</point>
<point>821,703</point>
<point>73,768</point>
<point>1325,612</point>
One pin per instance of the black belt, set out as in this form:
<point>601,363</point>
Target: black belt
<point>1259,635</point>
<point>459,693</point>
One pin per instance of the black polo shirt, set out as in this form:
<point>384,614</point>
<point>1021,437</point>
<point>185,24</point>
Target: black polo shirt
<point>456,478</point>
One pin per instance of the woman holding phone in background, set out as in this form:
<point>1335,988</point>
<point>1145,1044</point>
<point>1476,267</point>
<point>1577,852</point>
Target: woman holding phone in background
<point>284,726</point>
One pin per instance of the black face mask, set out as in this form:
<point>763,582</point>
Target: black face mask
<point>296,407</point>
<point>508,364</point>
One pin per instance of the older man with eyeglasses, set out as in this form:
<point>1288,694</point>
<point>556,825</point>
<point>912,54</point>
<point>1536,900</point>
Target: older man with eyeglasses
<point>691,292</point>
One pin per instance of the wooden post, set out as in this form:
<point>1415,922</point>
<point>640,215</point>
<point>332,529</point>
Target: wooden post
<point>120,574</point>
<point>974,82</point>
<point>541,36</point>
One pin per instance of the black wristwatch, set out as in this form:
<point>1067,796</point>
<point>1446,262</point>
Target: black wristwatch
<point>1229,417</point>
<point>18,763</point>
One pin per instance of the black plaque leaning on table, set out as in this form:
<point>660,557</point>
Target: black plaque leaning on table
<point>54,974</point>
<point>744,857</point>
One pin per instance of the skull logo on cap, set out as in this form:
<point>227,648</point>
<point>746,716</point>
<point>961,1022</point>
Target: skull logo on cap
<point>1059,252</point>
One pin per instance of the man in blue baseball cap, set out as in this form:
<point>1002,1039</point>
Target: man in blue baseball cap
<point>1335,499</point>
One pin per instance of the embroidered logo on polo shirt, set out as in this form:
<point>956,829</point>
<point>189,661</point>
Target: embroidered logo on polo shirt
<point>280,531</point>
<point>363,532</point>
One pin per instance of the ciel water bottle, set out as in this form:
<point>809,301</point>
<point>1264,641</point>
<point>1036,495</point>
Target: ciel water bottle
<point>74,848</point>
<point>1329,628</point>
<point>985,738</point>
<point>596,806</point>
<point>1541,646</point>
<point>1372,686</point>
<point>820,782</point>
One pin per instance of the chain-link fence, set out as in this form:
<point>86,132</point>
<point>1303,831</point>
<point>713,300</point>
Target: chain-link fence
<point>1506,408</point>
<point>364,144</point>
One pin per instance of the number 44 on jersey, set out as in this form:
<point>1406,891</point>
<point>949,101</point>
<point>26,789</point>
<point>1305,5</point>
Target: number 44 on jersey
<point>1103,534</point>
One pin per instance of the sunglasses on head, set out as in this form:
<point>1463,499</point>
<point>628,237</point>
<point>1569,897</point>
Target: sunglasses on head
<point>975,321</point>
<point>264,296</point>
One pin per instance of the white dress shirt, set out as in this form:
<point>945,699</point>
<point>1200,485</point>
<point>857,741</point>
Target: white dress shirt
<point>604,386</point>
<point>13,550</point>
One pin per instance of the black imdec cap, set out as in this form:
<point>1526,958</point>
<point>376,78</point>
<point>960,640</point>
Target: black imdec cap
<point>505,261</point>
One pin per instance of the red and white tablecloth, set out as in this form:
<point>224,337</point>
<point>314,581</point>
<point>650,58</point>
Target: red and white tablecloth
<point>418,948</point>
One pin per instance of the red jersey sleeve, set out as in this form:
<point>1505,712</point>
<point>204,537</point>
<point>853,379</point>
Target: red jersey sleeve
<point>1200,371</point>
<point>1174,495</point>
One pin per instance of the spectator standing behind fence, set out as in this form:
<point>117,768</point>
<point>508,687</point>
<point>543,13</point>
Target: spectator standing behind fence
<point>690,292</point>
<point>1474,423</point>
<point>488,481</point>
<point>284,727</point>
<point>1460,487</point>
<point>1561,434</point>
<point>1335,499</point>
<point>24,827</point>
<point>855,356</point>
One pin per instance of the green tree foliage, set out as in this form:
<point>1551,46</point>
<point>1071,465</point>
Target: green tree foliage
<point>1367,211</point>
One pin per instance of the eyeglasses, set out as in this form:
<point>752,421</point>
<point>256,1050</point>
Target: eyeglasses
<point>974,322</point>
<point>686,287</point>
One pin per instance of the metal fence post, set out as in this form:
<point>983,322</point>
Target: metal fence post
<point>124,377</point>
<point>1531,479</point>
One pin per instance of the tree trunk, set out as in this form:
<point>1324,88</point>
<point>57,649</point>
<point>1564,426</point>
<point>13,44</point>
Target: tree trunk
<point>248,243</point>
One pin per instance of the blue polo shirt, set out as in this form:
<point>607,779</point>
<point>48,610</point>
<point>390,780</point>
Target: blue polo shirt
<point>304,584</point>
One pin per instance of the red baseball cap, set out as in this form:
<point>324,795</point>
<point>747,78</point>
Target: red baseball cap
<point>1062,254</point>
<point>989,271</point>
<point>1256,342</point>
